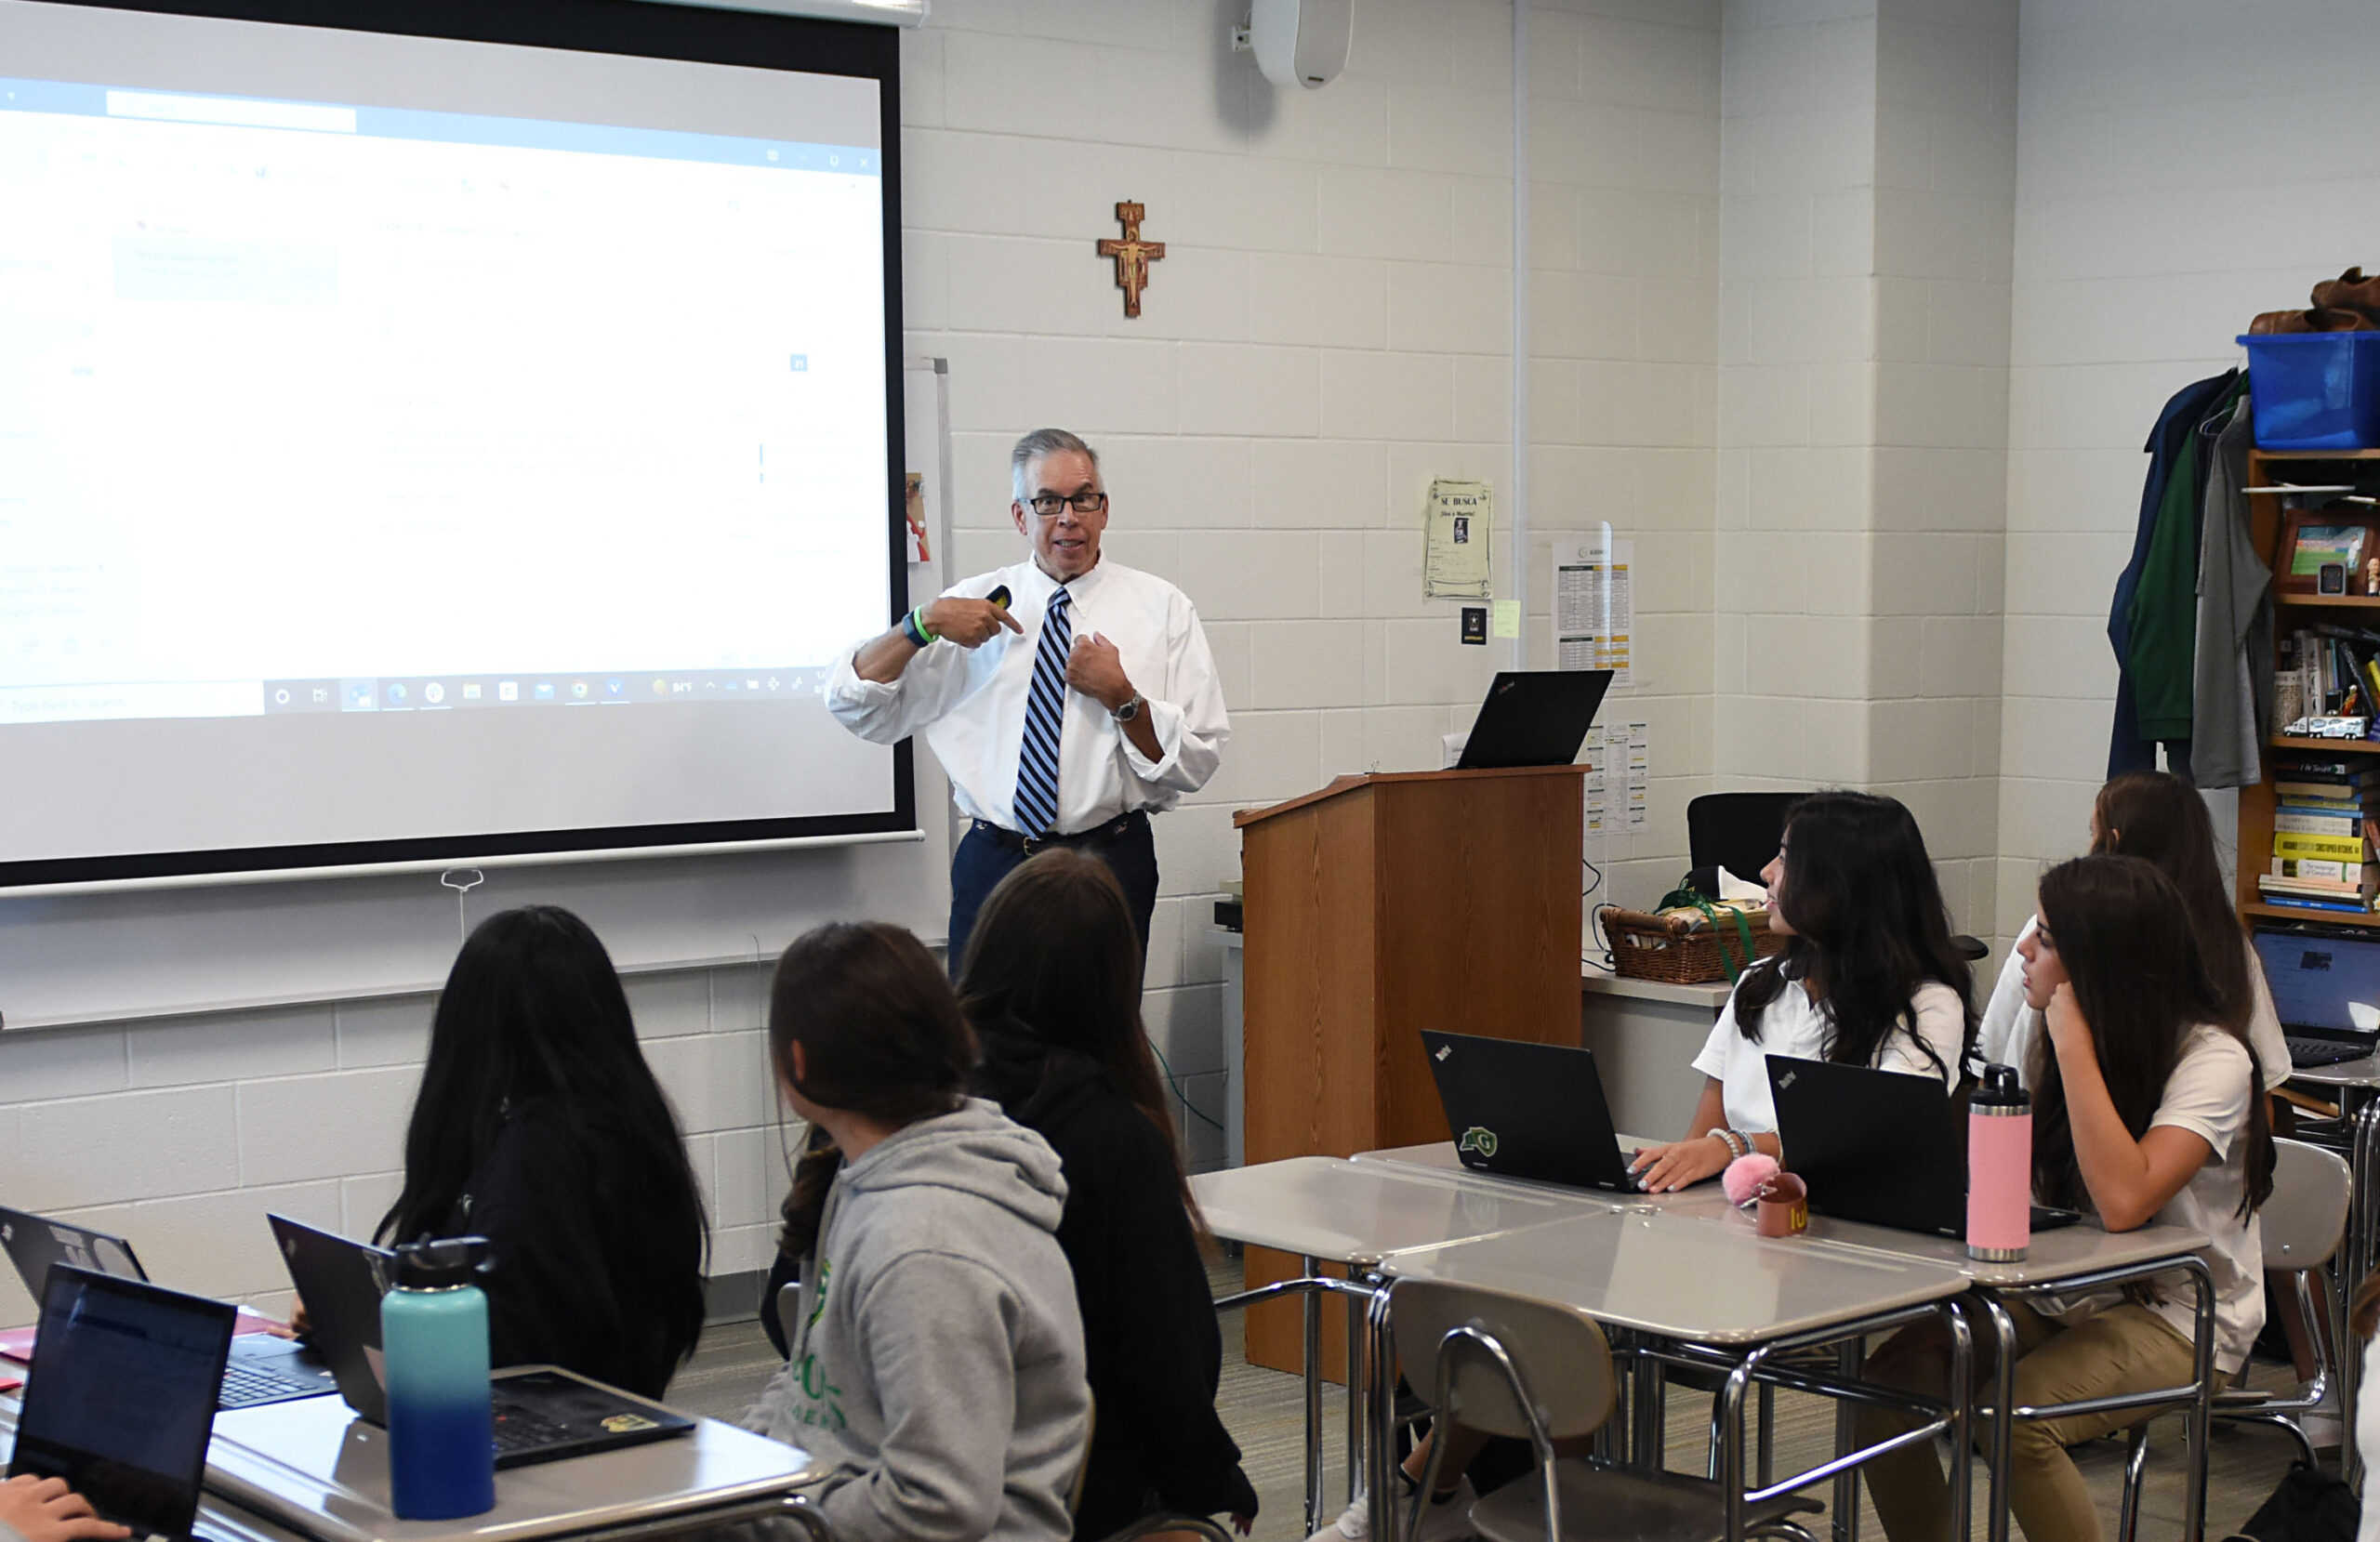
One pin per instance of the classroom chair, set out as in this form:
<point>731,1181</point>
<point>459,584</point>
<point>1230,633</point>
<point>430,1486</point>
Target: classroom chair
<point>1156,1520</point>
<point>2304,1221</point>
<point>1529,1369</point>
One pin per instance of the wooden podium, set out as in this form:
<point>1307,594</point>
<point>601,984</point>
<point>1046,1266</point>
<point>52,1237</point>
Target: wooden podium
<point>1376,907</point>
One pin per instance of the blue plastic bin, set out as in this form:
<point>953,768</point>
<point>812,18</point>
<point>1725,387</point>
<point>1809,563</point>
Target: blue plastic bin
<point>2315,390</point>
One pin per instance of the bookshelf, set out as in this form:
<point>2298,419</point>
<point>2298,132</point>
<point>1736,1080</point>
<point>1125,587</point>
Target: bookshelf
<point>2291,612</point>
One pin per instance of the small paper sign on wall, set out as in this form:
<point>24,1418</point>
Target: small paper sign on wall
<point>1455,564</point>
<point>1595,605</point>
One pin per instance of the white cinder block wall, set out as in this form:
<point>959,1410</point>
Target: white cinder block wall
<point>2178,171</point>
<point>1329,331</point>
<point>1868,173</point>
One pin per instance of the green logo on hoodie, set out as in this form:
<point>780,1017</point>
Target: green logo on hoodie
<point>824,1408</point>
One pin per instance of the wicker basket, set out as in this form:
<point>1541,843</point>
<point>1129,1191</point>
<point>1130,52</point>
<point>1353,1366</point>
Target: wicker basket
<point>1652,947</point>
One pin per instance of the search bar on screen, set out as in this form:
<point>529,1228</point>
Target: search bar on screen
<point>232,112</point>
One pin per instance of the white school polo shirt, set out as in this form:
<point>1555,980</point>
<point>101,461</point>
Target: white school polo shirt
<point>1792,1024</point>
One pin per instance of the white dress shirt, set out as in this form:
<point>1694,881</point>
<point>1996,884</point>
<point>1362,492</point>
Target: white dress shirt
<point>970,703</point>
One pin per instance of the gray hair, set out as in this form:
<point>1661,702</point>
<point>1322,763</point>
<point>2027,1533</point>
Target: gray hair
<point>1041,443</point>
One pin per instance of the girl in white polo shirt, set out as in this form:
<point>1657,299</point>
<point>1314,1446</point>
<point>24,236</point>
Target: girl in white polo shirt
<point>2146,1108</point>
<point>1869,976</point>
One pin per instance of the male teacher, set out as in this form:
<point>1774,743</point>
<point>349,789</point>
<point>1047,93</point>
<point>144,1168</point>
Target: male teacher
<point>1062,717</point>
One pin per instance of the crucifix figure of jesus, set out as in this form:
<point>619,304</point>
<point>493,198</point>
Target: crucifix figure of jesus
<point>1133,256</point>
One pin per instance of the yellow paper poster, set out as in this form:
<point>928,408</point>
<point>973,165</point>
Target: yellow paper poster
<point>1455,564</point>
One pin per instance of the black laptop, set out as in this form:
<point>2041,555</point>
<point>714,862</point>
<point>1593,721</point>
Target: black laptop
<point>542,1414</point>
<point>1524,1110</point>
<point>121,1401</point>
<point>2326,990</point>
<point>1878,1146</point>
<point>1534,717</point>
<point>263,1367</point>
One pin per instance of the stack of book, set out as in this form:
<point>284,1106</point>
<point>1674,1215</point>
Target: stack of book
<point>2324,821</point>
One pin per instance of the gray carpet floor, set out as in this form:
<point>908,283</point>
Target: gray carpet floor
<point>1262,1410</point>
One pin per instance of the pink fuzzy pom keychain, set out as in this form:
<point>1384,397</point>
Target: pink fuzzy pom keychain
<point>1745,1175</point>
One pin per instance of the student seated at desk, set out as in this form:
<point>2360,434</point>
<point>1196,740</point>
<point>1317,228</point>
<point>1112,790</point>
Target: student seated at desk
<point>2146,1108</point>
<point>1051,984</point>
<point>2161,818</point>
<point>937,1365</point>
<point>540,1126</point>
<point>1868,976</point>
<point>45,1510</point>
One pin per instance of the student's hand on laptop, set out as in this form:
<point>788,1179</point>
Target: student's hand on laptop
<point>299,1326</point>
<point>1663,1168</point>
<point>45,1510</point>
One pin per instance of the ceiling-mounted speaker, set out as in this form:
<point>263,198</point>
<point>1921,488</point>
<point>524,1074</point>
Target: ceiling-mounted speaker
<point>1300,41</point>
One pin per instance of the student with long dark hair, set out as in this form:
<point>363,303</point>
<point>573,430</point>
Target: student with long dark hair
<point>2162,820</point>
<point>540,1126</point>
<point>937,1365</point>
<point>1869,976</point>
<point>1051,984</point>
<point>2146,1108</point>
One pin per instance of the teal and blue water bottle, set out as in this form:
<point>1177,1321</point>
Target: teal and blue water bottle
<point>433,1329</point>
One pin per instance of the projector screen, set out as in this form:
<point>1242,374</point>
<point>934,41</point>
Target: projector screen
<point>465,438</point>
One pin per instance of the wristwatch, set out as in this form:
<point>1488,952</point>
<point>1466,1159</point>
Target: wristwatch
<point>1130,710</point>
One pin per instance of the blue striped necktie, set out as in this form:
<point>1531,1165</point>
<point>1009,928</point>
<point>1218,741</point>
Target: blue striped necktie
<point>1045,718</point>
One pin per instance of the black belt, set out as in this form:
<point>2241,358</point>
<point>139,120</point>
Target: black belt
<point>1115,829</point>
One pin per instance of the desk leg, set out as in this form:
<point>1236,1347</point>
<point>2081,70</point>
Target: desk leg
<point>1846,1483</point>
<point>1380,1447</point>
<point>1727,1433</point>
<point>2201,1418</point>
<point>1356,1354</point>
<point>1651,1442</point>
<point>2004,1398</point>
<point>1961,1427</point>
<point>1312,1362</point>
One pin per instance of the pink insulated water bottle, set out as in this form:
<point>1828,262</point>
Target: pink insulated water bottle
<point>2000,1168</point>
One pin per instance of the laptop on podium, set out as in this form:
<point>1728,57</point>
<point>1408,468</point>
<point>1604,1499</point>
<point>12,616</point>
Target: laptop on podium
<point>1534,717</point>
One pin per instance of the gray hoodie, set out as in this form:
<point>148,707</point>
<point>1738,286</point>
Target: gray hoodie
<point>937,1367</point>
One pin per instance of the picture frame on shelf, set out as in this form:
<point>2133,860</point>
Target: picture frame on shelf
<point>2318,549</point>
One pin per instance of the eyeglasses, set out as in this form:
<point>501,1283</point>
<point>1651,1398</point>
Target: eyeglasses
<point>1048,504</point>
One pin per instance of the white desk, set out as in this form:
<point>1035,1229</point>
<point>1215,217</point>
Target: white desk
<point>2067,1258</point>
<point>310,1471</point>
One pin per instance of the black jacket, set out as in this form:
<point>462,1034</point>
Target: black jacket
<point>574,1282</point>
<point>1151,1346</point>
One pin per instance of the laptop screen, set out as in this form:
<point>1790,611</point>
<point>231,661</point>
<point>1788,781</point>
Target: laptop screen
<point>2321,982</point>
<point>122,1396</point>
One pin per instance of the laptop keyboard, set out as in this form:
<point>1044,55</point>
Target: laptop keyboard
<point>2304,1053</point>
<point>519,1429</point>
<point>245,1386</point>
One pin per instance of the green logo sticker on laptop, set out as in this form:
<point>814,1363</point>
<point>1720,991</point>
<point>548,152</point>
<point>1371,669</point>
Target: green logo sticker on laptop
<point>1479,1138</point>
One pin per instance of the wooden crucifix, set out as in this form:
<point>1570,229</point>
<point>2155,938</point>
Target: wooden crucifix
<point>1133,256</point>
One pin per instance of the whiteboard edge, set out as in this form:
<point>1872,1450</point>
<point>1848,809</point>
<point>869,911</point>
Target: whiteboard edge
<point>446,864</point>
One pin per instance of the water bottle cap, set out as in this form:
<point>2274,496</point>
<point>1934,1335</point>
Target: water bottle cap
<point>2000,1089</point>
<point>441,1263</point>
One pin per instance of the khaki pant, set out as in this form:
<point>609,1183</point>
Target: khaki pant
<point>2124,1349</point>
